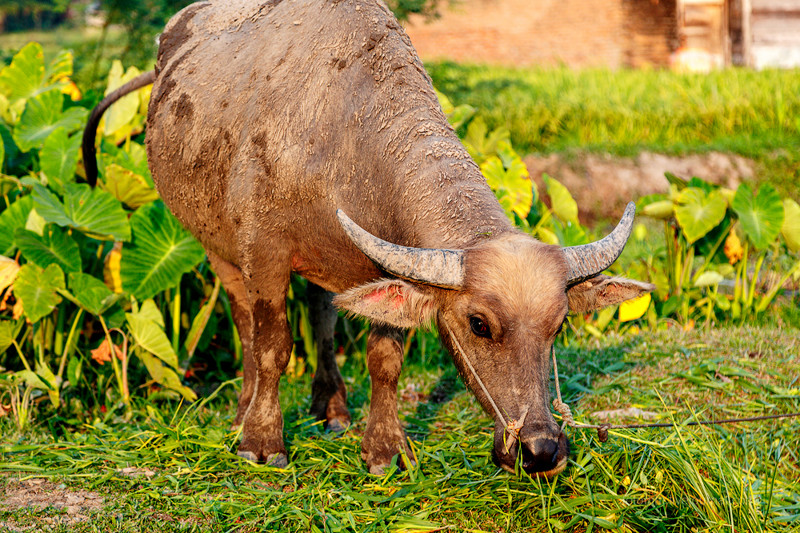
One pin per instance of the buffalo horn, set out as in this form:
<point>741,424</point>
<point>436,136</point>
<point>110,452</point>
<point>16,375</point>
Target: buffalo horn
<point>588,260</point>
<point>441,268</point>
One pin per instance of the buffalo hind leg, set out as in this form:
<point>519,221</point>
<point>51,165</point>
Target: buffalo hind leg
<point>384,437</point>
<point>231,278</point>
<point>328,393</point>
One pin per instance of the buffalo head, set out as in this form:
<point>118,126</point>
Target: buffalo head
<point>498,306</point>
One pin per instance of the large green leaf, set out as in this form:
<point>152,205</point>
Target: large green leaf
<point>698,212</point>
<point>42,116</point>
<point>16,216</point>
<point>562,202</point>
<point>151,337</point>
<point>54,246</point>
<point>60,67</point>
<point>37,287</point>
<point>162,251</point>
<point>165,376</point>
<point>23,77</point>
<point>9,329</point>
<point>59,158</point>
<point>91,293</point>
<point>760,216</point>
<point>791,224</point>
<point>92,211</point>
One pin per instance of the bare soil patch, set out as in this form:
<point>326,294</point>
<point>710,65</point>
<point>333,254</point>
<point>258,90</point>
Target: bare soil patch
<point>603,184</point>
<point>37,494</point>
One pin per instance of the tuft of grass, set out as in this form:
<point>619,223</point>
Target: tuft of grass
<point>172,466</point>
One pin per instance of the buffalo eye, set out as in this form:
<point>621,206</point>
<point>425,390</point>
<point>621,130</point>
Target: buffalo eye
<point>479,327</point>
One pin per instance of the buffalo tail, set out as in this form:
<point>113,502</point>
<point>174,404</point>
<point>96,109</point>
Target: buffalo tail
<point>90,132</point>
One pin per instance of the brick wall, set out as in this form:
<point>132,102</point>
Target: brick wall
<point>579,33</point>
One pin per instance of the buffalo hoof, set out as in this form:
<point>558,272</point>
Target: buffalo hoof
<point>278,460</point>
<point>378,470</point>
<point>337,425</point>
<point>402,463</point>
<point>247,456</point>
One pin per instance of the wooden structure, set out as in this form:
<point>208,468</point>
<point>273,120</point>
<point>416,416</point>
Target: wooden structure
<point>615,33</point>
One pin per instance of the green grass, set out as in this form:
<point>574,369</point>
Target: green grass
<point>623,112</point>
<point>741,477</point>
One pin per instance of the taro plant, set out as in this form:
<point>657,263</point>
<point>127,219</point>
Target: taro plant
<point>717,242</point>
<point>88,274</point>
<point>555,222</point>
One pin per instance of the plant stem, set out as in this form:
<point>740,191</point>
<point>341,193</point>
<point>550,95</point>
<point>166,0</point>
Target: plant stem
<point>176,319</point>
<point>765,300</point>
<point>120,375</point>
<point>754,282</point>
<point>710,255</point>
<point>21,356</point>
<point>70,342</point>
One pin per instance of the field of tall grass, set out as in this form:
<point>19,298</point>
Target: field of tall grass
<point>622,112</point>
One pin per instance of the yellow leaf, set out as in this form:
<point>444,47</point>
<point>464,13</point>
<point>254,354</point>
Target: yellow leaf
<point>733,248</point>
<point>18,309</point>
<point>71,90</point>
<point>633,309</point>
<point>125,109</point>
<point>111,269</point>
<point>546,236</point>
<point>8,272</point>
<point>128,187</point>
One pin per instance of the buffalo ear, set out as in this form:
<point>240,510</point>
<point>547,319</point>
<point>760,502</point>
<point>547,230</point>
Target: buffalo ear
<point>390,301</point>
<point>602,291</point>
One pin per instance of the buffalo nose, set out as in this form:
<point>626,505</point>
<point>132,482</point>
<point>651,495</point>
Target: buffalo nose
<point>540,455</point>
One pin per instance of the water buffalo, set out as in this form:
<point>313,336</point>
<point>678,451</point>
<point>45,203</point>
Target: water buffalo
<point>305,136</point>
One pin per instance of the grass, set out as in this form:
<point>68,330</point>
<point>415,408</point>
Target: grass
<point>171,467</point>
<point>623,112</point>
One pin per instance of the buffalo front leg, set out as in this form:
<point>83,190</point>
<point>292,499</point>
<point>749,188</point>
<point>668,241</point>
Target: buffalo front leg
<point>231,278</point>
<point>328,393</point>
<point>384,437</point>
<point>262,428</point>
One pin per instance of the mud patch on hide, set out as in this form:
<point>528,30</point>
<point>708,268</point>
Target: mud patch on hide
<point>183,109</point>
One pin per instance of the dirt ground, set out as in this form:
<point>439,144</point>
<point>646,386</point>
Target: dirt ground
<point>603,184</point>
<point>36,494</point>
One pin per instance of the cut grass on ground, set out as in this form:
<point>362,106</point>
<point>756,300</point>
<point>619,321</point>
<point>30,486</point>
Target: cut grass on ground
<point>172,469</point>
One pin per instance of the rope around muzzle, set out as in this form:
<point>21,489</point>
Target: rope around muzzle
<point>602,429</point>
<point>512,428</point>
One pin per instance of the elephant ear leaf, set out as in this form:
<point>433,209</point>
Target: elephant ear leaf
<point>699,212</point>
<point>791,224</point>
<point>761,216</point>
<point>91,293</point>
<point>155,350</point>
<point>91,211</point>
<point>37,288</point>
<point>54,246</point>
<point>23,77</point>
<point>43,115</point>
<point>161,252</point>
